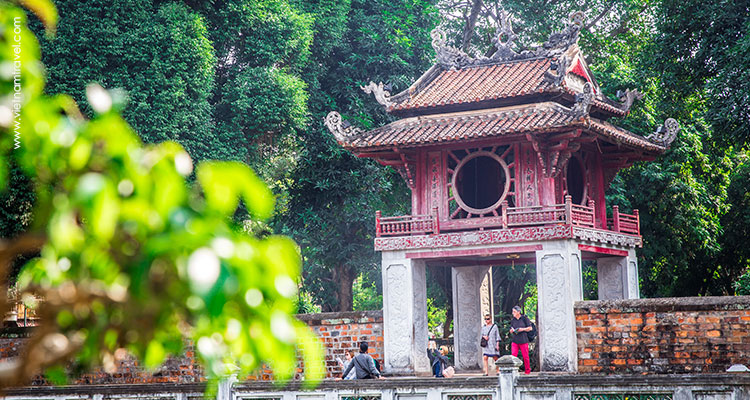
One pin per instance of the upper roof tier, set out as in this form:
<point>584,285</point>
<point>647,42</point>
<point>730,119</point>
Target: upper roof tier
<point>464,98</point>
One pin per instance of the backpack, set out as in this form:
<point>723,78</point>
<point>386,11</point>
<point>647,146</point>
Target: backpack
<point>377,364</point>
<point>533,332</point>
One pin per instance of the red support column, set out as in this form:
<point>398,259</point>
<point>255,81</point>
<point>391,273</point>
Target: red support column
<point>377,223</point>
<point>616,218</point>
<point>504,213</point>
<point>436,220</point>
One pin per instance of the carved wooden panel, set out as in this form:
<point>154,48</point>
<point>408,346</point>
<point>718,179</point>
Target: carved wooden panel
<point>435,181</point>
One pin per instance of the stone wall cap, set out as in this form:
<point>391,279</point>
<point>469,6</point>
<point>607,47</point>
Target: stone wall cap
<point>508,361</point>
<point>666,304</point>
<point>355,315</point>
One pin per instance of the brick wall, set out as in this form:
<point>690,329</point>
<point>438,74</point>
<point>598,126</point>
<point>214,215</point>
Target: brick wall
<point>670,335</point>
<point>340,332</point>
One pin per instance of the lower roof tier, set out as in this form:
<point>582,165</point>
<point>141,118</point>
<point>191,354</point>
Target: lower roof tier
<point>539,118</point>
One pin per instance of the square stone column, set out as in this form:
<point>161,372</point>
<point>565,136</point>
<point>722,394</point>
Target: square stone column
<point>467,316</point>
<point>404,314</point>
<point>558,272</point>
<point>617,277</point>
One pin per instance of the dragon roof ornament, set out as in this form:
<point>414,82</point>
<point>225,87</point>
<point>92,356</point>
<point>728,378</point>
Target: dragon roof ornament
<point>343,131</point>
<point>449,56</point>
<point>558,42</point>
<point>382,93</point>
<point>665,134</point>
<point>628,97</point>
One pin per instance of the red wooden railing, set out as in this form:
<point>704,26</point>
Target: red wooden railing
<point>510,217</point>
<point>406,224</point>
<point>625,223</point>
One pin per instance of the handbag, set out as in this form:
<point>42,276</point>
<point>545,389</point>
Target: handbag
<point>483,341</point>
<point>449,372</point>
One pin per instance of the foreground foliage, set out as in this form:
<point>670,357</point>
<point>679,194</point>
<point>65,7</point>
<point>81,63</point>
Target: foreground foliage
<point>133,259</point>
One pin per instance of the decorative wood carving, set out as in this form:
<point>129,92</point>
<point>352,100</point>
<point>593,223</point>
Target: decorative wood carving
<point>407,171</point>
<point>382,95</point>
<point>435,180</point>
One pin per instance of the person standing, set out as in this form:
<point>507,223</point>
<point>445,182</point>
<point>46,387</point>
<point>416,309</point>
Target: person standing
<point>363,364</point>
<point>490,342</point>
<point>519,325</point>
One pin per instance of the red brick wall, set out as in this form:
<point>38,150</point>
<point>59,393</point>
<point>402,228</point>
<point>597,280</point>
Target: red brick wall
<point>670,335</point>
<point>340,332</point>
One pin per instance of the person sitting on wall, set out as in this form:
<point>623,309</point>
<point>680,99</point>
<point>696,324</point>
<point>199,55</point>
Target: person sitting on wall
<point>519,325</point>
<point>348,356</point>
<point>363,364</point>
<point>490,342</point>
<point>439,361</point>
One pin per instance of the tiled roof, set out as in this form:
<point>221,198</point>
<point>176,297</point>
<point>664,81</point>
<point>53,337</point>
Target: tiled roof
<point>488,82</point>
<point>474,84</point>
<point>467,126</point>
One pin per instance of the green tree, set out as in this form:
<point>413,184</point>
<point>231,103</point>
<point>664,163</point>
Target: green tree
<point>126,242</point>
<point>334,195</point>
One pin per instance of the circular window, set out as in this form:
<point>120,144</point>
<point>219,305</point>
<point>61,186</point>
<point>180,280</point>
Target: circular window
<point>481,182</point>
<point>575,180</point>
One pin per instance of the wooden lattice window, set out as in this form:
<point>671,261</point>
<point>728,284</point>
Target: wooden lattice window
<point>479,180</point>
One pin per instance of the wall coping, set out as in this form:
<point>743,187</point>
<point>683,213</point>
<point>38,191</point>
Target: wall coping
<point>580,381</point>
<point>666,304</point>
<point>354,316</point>
<point>132,389</point>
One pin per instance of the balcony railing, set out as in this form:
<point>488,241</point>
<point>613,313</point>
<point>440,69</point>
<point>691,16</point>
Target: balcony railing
<point>625,223</point>
<point>510,217</point>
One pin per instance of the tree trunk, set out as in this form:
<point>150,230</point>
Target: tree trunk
<point>344,275</point>
<point>471,22</point>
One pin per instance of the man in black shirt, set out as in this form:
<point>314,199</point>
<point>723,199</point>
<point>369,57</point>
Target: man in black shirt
<point>363,364</point>
<point>519,325</point>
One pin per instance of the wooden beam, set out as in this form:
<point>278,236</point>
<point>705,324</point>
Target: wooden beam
<point>602,250</point>
<point>474,252</point>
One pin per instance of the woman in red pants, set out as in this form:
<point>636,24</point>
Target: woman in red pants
<point>519,325</point>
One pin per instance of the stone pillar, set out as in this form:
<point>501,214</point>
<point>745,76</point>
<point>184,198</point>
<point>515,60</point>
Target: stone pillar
<point>508,366</point>
<point>617,277</point>
<point>467,316</point>
<point>558,272</point>
<point>486,294</point>
<point>404,314</point>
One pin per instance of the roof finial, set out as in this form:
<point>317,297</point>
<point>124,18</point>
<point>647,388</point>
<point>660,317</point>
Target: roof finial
<point>341,130</point>
<point>665,134</point>
<point>505,39</point>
